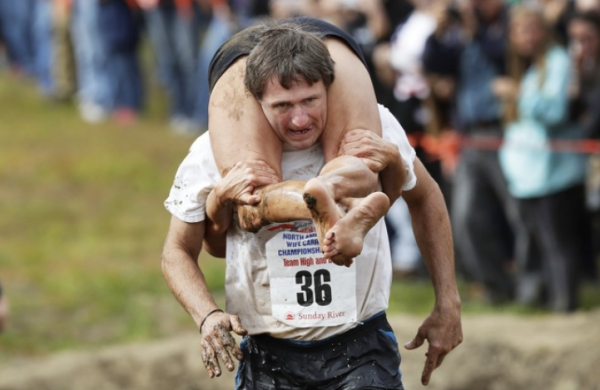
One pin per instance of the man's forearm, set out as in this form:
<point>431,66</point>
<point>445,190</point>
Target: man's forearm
<point>392,179</point>
<point>431,226</point>
<point>187,283</point>
<point>181,271</point>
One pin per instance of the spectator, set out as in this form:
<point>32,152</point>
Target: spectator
<point>480,202</point>
<point>548,185</point>
<point>120,28</point>
<point>557,14</point>
<point>174,28</point>
<point>372,24</point>
<point>222,25</point>
<point>3,310</point>
<point>42,46</point>
<point>587,5</point>
<point>91,57</point>
<point>584,38</point>
<point>17,20</point>
<point>63,64</point>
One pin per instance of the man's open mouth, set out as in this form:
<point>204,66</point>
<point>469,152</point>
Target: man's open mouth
<point>300,132</point>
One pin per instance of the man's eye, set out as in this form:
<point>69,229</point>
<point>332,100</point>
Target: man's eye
<point>282,105</point>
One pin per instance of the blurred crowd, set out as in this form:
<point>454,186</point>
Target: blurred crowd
<point>500,98</point>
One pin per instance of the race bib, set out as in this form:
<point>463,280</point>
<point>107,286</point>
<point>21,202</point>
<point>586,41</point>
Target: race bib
<point>306,289</point>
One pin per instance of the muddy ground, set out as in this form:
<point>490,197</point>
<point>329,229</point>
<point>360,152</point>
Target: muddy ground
<point>499,352</point>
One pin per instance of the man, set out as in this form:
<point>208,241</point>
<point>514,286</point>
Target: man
<point>289,299</point>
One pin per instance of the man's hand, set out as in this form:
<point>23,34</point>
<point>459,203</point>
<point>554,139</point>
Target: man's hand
<point>443,330</point>
<point>240,181</point>
<point>376,152</point>
<point>219,344</point>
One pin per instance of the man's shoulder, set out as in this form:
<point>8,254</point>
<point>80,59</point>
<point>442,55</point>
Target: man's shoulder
<point>201,143</point>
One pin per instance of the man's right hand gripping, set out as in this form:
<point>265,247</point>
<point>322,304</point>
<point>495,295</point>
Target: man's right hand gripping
<point>218,342</point>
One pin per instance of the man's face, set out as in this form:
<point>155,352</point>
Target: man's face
<point>488,9</point>
<point>585,41</point>
<point>297,115</point>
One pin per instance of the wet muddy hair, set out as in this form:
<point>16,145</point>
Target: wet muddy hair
<point>290,53</point>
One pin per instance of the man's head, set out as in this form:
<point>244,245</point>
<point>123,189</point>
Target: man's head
<point>584,39</point>
<point>488,10</point>
<point>291,54</point>
<point>289,72</point>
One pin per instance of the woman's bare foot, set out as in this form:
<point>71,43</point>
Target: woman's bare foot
<point>344,241</point>
<point>323,208</point>
<point>250,218</point>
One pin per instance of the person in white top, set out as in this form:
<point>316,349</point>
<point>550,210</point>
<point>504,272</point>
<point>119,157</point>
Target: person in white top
<point>280,289</point>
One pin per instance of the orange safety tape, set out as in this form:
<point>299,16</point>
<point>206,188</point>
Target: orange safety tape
<point>450,142</point>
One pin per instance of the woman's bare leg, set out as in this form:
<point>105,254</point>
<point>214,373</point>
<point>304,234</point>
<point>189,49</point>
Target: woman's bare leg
<point>341,181</point>
<point>352,105</point>
<point>239,131</point>
<point>341,178</point>
<point>344,241</point>
<point>351,101</point>
<point>281,202</point>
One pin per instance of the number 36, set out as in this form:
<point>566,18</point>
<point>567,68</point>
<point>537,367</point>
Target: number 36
<point>321,292</point>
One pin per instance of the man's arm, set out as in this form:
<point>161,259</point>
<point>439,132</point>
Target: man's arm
<point>431,226</point>
<point>237,188</point>
<point>186,281</point>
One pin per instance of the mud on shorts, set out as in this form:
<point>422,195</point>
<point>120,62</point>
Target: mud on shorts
<point>365,357</point>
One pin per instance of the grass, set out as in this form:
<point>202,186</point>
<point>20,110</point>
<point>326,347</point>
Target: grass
<point>83,227</point>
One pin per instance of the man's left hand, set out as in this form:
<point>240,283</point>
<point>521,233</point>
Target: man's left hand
<point>443,331</point>
<point>376,152</point>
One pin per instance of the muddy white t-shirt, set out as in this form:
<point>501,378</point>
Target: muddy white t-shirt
<point>276,279</point>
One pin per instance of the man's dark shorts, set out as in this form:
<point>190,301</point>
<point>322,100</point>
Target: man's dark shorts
<point>366,357</point>
<point>242,43</point>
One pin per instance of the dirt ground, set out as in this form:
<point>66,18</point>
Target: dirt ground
<point>499,352</point>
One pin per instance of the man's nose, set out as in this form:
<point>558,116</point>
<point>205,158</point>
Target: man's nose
<point>299,118</point>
